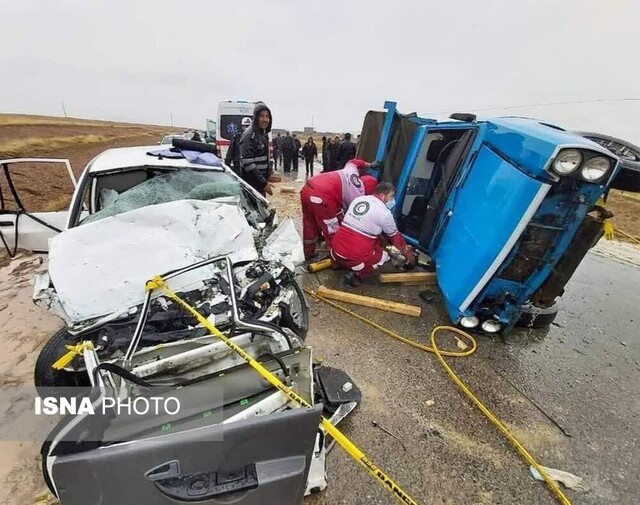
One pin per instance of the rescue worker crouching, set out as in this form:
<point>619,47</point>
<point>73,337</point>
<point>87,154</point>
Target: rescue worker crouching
<point>254,150</point>
<point>326,196</point>
<point>360,240</point>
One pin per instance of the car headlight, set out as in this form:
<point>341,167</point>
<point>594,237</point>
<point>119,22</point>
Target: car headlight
<point>567,161</point>
<point>595,169</point>
<point>469,322</point>
<point>491,326</point>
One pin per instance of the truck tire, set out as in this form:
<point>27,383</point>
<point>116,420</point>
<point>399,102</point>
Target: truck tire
<point>46,379</point>
<point>628,153</point>
<point>537,317</point>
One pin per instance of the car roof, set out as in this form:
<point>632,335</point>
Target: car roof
<point>129,157</point>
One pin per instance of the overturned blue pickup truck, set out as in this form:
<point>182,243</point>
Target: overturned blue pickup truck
<point>506,208</point>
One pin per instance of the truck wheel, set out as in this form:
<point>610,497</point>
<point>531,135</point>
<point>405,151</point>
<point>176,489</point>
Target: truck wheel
<point>46,377</point>
<point>626,151</point>
<point>537,317</point>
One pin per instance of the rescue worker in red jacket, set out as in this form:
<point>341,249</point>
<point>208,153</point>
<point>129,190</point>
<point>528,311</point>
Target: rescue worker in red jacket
<point>359,242</point>
<point>326,196</point>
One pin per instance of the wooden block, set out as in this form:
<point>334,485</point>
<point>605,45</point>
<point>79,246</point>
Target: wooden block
<point>319,266</point>
<point>288,189</point>
<point>412,277</point>
<point>275,178</point>
<point>368,301</point>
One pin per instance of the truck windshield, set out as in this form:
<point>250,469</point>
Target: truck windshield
<point>126,191</point>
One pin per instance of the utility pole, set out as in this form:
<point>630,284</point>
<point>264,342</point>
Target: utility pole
<point>64,111</point>
<point>171,119</point>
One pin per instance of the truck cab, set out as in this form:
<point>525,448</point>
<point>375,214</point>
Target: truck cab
<point>506,208</point>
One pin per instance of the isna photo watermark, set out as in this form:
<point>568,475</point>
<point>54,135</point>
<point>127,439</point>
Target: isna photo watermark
<point>154,405</point>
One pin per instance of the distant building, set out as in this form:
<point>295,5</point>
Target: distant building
<point>309,129</point>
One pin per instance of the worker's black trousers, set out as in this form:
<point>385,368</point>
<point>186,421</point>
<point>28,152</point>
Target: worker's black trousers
<point>296,158</point>
<point>287,158</point>
<point>309,166</point>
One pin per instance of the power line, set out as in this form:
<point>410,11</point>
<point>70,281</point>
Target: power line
<point>544,104</point>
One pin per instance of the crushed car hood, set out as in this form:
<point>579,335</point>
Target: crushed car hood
<point>100,269</point>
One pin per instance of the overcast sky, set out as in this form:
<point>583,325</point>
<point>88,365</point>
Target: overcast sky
<point>141,60</point>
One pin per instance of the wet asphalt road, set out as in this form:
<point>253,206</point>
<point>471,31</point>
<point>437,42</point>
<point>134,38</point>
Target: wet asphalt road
<point>584,372</point>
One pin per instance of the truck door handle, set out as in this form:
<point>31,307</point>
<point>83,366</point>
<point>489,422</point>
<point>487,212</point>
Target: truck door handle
<point>201,486</point>
<point>6,223</point>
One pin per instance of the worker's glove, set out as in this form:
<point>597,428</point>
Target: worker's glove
<point>376,165</point>
<point>412,260</point>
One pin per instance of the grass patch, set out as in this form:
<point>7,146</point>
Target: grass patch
<point>30,146</point>
<point>29,120</point>
<point>61,202</point>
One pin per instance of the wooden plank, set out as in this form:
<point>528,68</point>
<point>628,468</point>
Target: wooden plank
<point>368,301</point>
<point>319,266</point>
<point>288,189</point>
<point>275,178</point>
<point>417,277</point>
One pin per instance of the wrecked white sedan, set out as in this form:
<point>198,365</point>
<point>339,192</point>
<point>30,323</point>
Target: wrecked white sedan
<point>137,213</point>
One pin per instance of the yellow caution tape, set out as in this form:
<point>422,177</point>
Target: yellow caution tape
<point>608,230</point>
<point>351,449</point>
<point>74,350</point>
<point>553,485</point>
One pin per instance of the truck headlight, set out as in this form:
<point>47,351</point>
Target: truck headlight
<point>595,169</point>
<point>469,322</point>
<point>567,161</point>
<point>491,326</point>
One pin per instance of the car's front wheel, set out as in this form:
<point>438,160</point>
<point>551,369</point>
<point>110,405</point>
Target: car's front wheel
<point>47,380</point>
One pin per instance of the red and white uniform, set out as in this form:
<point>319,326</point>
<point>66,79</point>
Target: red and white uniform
<point>358,243</point>
<point>324,199</point>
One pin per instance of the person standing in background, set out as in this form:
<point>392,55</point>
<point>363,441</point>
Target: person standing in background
<point>296,155</point>
<point>288,147</point>
<point>332,154</point>
<point>346,151</point>
<point>276,150</point>
<point>254,150</point>
<point>309,152</point>
<point>324,153</point>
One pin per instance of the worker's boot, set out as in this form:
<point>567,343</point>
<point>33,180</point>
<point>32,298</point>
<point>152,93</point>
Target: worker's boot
<point>351,279</point>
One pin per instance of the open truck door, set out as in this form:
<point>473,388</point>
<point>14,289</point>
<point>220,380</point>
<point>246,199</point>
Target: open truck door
<point>19,227</point>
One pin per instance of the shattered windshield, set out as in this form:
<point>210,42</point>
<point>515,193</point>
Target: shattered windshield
<point>158,187</point>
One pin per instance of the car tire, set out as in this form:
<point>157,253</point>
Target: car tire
<point>632,149</point>
<point>45,377</point>
<point>537,317</point>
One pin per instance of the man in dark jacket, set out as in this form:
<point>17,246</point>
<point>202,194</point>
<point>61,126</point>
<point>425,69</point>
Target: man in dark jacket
<point>309,151</point>
<point>288,148</point>
<point>332,154</point>
<point>346,151</point>
<point>277,152</point>
<point>324,153</point>
<point>232,159</point>
<point>296,154</point>
<point>254,150</point>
